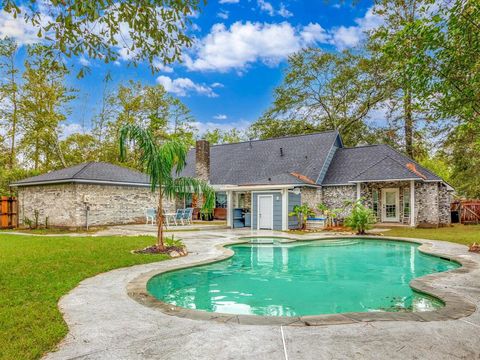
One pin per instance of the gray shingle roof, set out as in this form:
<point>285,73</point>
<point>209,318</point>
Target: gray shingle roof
<point>89,172</point>
<point>374,162</point>
<point>260,161</point>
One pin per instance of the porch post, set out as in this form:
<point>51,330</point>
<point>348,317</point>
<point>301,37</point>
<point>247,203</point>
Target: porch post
<point>285,209</point>
<point>229,208</point>
<point>412,203</point>
<point>359,191</point>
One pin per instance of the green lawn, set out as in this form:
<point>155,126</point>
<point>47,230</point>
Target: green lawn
<point>461,234</point>
<point>36,271</point>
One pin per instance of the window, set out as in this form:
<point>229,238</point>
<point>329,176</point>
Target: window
<point>406,202</point>
<point>188,201</point>
<point>241,200</point>
<point>221,200</point>
<point>375,201</point>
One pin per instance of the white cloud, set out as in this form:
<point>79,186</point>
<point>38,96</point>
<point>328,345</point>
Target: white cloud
<point>313,32</point>
<point>266,6</point>
<point>161,66</point>
<point>270,10</point>
<point>220,117</point>
<point>344,37</point>
<point>284,12</point>
<point>217,85</point>
<point>235,47</point>
<point>84,61</point>
<point>18,29</point>
<point>223,14</point>
<point>68,129</point>
<point>228,1</point>
<point>184,86</point>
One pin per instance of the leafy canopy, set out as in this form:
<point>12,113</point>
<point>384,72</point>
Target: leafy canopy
<point>135,30</point>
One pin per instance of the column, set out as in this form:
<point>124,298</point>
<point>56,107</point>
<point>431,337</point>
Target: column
<point>229,208</point>
<point>412,203</point>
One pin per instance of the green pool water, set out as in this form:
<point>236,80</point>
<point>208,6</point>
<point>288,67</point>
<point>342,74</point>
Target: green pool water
<point>276,278</point>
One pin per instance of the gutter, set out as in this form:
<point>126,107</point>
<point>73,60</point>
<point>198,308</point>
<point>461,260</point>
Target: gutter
<point>78,181</point>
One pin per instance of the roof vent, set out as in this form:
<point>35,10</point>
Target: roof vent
<point>281,151</point>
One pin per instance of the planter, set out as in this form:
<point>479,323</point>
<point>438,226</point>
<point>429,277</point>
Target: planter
<point>315,223</point>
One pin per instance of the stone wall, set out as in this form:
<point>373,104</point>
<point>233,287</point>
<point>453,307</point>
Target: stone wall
<point>65,204</point>
<point>57,202</point>
<point>366,192</point>
<point>335,196</point>
<point>312,197</point>
<point>432,202</point>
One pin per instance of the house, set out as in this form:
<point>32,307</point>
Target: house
<point>257,184</point>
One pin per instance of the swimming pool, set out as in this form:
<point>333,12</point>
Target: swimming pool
<point>278,277</point>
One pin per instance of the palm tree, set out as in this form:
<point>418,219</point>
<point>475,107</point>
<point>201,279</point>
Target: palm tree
<point>163,163</point>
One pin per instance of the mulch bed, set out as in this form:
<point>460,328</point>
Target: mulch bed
<point>173,251</point>
<point>474,248</point>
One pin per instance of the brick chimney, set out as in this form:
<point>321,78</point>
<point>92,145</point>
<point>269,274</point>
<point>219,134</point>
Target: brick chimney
<point>202,160</point>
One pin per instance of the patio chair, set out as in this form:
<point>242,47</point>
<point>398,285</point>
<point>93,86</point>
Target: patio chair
<point>151,215</point>
<point>179,216</point>
<point>168,218</point>
<point>187,216</point>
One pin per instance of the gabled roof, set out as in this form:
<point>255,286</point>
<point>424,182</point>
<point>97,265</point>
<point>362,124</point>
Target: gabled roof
<point>261,162</point>
<point>91,172</point>
<point>374,163</point>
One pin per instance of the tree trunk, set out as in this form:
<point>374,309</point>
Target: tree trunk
<point>160,244</point>
<point>14,119</point>
<point>408,125</point>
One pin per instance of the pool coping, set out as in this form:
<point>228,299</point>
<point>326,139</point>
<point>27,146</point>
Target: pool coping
<point>456,306</point>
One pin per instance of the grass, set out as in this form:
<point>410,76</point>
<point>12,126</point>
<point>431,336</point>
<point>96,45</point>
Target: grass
<point>54,231</point>
<point>460,234</point>
<point>36,271</point>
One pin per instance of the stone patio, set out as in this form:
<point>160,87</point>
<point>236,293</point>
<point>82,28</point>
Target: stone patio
<point>106,323</point>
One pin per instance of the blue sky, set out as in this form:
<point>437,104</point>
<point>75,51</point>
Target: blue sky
<point>227,78</point>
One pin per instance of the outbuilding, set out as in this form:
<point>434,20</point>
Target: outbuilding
<point>89,194</point>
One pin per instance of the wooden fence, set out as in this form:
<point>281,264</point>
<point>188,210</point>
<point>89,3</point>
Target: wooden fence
<point>468,211</point>
<point>8,212</point>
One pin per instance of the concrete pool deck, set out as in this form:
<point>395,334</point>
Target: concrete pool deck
<point>106,323</point>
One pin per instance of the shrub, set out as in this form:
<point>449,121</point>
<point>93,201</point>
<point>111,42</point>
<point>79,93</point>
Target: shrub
<point>302,212</point>
<point>361,218</point>
<point>330,214</point>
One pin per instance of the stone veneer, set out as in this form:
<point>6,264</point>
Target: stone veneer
<point>65,204</point>
<point>336,196</point>
<point>312,197</point>
<point>432,200</point>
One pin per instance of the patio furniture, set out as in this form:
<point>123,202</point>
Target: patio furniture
<point>179,216</point>
<point>169,217</point>
<point>187,216</point>
<point>151,215</point>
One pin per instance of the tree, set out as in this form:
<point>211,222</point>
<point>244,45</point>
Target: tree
<point>322,91</point>
<point>78,148</point>
<point>217,136</point>
<point>135,30</point>
<point>149,106</point>
<point>163,162</point>
<point>10,93</point>
<point>43,108</point>
<point>400,50</point>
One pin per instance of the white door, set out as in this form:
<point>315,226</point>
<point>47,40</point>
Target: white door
<point>265,212</point>
<point>390,205</point>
